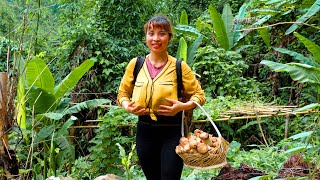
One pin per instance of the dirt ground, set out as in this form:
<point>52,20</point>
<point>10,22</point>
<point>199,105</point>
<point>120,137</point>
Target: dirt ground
<point>294,167</point>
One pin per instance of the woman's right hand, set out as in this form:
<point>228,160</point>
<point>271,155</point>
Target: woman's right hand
<point>137,110</point>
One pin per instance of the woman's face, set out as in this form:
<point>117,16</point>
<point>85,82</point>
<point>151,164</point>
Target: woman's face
<point>157,40</point>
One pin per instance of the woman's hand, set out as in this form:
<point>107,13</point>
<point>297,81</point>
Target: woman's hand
<point>137,110</point>
<point>172,109</point>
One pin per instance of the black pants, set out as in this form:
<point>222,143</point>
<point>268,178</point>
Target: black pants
<point>156,143</point>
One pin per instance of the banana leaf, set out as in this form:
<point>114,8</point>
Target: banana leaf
<point>301,135</point>
<point>182,49</point>
<point>192,50</point>
<point>40,100</point>
<point>311,46</point>
<point>307,107</point>
<point>219,28</point>
<point>227,18</point>
<point>21,104</point>
<point>241,14</point>
<point>265,34</point>
<point>184,18</point>
<point>72,79</point>
<point>189,30</point>
<point>39,75</point>
<point>312,11</point>
<point>86,105</point>
<point>54,116</point>
<point>297,71</point>
<point>262,20</point>
<point>300,57</point>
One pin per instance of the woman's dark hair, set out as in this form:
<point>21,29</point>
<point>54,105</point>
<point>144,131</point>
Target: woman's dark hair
<point>159,21</point>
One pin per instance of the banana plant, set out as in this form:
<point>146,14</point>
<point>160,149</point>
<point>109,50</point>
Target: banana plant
<point>54,136</point>
<point>308,72</point>
<point>184,52</point>
<point>49,129</point>
<point>37,88</point>
<point>227,33</point>
<point>305,17</point>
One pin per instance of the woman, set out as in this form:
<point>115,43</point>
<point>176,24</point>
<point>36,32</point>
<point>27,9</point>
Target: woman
<point>154,100</point>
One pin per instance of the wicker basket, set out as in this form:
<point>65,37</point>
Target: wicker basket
<point>214,158</point>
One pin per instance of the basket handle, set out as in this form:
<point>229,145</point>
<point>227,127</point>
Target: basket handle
<point>208,116</point>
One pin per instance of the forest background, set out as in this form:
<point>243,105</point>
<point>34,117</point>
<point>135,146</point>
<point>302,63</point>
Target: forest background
<point>65,60</point>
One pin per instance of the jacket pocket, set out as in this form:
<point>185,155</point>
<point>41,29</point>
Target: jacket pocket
<point>137,96</point>
<point>165,89</point>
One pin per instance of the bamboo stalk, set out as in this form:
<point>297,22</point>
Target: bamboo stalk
<point>258,116</point>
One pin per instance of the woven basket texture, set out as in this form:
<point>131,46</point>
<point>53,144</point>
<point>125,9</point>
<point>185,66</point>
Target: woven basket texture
<point>214,158</point>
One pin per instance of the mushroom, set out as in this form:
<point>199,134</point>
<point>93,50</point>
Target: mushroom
<point>197,132</point>
<point>183,141</point>
<point>179,149</point>
<point>193,142</point>
<point>202,148</point>
<point>186,148</point>
<point>205,138</point>
<point>214,139</point>
<point>192,151</point>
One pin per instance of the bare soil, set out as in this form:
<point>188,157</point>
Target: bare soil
<point>296,166</point>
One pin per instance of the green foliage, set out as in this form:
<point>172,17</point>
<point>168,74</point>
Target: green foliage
<point>43,94</point>
<point>184,18</point>
<point>119,38</point>
<point>221,73</point>
<point>219,28</point>
<point>302,72</point>
<point>104,151</point>
<point>182,50</point>
<point>8,17</point>
<point>126,162</point>
<point>311,12</point>
<point>81,169</point>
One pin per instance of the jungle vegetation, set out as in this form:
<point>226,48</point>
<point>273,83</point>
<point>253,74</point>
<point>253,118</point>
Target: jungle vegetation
<point>65,60</point>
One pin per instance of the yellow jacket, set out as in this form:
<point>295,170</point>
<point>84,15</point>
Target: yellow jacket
<point>149,93</point>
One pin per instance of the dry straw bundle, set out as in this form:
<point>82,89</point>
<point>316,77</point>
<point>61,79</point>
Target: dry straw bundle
<point>202,150</point>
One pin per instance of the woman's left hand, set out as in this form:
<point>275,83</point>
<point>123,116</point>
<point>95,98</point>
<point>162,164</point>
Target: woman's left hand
<point>172,109</point>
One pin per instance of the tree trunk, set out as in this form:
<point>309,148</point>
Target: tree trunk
<point>8,159</point>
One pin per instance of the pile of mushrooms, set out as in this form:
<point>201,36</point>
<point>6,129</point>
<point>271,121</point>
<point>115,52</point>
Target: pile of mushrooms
<point>200,142</point>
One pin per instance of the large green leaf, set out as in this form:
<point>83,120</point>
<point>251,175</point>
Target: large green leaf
<point>311,46</point>
<point>265,34</point>
<point>66,147</point>
<point>227,18</point>
<point>241,14</point>
<point>219,28</point>
<point>312,11</point>
<point>297,71</point>
<point>50,115</point>
<point>39,75</point>
<point>301,135</point>
<point>64,130</point>
<point>262,20</point>
<point>44,133</point>
<point>300,57</point>
<point>86,105</point>
<point>182,49</point>
<point>189,30</point>
<point>184,18</point>
<point>308,107</point>
<point>21,104</point>
<point>72,79</point>
<point>40,100</point>
<point>192,50</point>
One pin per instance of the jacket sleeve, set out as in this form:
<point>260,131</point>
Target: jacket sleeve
<point>126,85</point>
<point>191,86</point>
